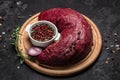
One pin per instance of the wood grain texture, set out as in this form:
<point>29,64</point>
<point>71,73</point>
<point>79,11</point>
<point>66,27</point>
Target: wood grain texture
<point>24,43</point>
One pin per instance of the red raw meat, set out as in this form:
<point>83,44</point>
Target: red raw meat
<point>76,37</point>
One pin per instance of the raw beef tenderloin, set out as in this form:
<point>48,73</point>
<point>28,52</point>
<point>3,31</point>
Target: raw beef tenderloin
<point>76,37</point>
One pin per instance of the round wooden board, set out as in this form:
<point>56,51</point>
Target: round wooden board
<point>24,43</point>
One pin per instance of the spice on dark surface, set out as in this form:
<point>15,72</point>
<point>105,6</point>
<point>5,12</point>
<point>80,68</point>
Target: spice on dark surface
<point>108,37</point>
<point>106,47</point>
<point>108,58</point>
<point>42,32</point>
<point>3,32</point>
<point>106,62</point>
<point>0,17</point>
<point>0,24</point>
<point>4,46</point>
<point>8,30</point>
<point>18,67</point>
<point>105,41</point>
<point>117,45</point>
<point>115,34</point>
<point>116,40</point>
<point>112,51</point>
<point>111,45</point>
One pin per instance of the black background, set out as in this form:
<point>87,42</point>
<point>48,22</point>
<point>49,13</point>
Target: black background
<point>105,14</point>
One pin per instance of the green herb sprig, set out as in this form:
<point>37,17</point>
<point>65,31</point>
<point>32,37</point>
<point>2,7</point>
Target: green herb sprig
<point>15,37</point>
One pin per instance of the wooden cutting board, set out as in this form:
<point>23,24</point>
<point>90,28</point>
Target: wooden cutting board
<point>24,43</point>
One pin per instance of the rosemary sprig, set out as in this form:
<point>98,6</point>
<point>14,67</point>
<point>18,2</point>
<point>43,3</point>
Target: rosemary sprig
<point>15,36</point>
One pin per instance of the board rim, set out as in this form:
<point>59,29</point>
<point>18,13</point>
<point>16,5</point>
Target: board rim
<point>65,72</point>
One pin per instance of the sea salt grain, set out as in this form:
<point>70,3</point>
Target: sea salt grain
<point>24,6</point>
<point>116,40</point>
<point>108,58</point>
<point>0,17</point>
<point>112,51</point>
<point>4,46</point>
<point>3,32</point>
<point>117,45</point>
<point>19,3</point>
<point>10,38</point>
<point>115,34</point>
<point>18,67</point>
<point>0,24</point>
<point>30,15</point>
<point>106,62</point>
<point>111,45</point>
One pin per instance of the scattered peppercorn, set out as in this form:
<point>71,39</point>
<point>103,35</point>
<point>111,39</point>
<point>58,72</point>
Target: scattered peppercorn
<point>42,32</point>
<point>108,36</point>
<point>78,33</point>
<point>106,47</point>
<point>105,41</point>
<point>8,30</point>
<point>73,43</point>
<point>11,6</point>
<point>78,38</point>
<point>112,58</point>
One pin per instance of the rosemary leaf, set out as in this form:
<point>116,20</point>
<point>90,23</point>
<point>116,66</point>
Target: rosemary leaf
<point>19,54</point>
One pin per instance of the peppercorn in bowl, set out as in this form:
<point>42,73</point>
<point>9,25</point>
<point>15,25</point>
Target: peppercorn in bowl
<point>42,33</point>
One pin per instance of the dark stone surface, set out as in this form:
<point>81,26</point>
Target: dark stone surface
<point>105,14</point>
